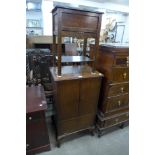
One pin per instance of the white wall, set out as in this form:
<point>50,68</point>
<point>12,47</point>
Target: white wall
<point>126,32</point>
<point>35,16</point>
<point>47,7</point>
<point>119,18</point>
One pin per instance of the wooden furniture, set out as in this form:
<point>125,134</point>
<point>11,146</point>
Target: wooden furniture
<point>113,62</point>
<point>70,49</point>
<point>68,22</point>
<point>37,139</point>
<point>76,88</point>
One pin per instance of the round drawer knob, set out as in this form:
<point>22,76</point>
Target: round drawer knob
<point>30,118</point>
<point>27,145</point>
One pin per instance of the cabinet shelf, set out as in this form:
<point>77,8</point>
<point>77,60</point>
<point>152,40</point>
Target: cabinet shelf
<point>67,59</point>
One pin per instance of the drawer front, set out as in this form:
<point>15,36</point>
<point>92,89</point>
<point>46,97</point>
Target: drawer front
<point>118,89</point>
<point>120,74</point>
<point>115,103</point>
<point>116,120</point>
<point>113,121</point>
<point>75,124</point>
<point>121,61</point>
<point>79,22</point>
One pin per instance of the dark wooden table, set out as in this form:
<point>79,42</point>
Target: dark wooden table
<point>37,139</point>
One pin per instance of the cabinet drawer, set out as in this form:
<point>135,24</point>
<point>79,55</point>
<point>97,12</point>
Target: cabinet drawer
<point>116,120</point>
<point>120,74</point>
<point>75,124</point>
<point>114,103</point>
<point>34,116</point>
<point>118,89</point>
<point>121,61</point>
<point>79,22</point>
<point>113,121</point>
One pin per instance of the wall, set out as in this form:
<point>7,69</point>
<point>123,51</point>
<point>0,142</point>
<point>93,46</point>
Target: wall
<point>120,17</point>
<point>47,6</point>
<point>35,15</point>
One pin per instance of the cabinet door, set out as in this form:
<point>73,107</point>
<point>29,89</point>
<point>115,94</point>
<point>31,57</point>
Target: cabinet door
<point>36,132</point>
<point>67,99</point>
<point>89,93</point>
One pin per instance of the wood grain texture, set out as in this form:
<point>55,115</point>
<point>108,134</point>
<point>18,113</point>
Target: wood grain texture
<point>113,62</point>
<point>76,87</point>
<point>76,103</point>
<point>35,99</point>
<point>37,139</point>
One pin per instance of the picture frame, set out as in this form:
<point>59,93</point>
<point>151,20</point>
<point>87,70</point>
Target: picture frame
<point>33,23</point>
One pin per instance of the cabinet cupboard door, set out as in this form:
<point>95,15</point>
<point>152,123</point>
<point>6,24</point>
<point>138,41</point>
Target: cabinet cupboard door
<point>36,134</point>
<point>67,99</point>
<point>89,93</point>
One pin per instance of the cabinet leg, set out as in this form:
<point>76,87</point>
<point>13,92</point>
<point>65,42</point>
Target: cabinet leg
<point>92,131</point>
<point>121,126</point>
<point>99,134</point>
<point>58,143</point>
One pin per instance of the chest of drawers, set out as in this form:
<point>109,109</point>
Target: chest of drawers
<point>113,62</point>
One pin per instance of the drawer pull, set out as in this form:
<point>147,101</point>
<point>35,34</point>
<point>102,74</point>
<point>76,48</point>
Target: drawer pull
<point>30,118</point>
<point>27,145</point>
<point>124,75</point>
<point>119,103</point>
<point>122,89</point>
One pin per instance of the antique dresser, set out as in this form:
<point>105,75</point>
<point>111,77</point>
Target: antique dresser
<point>76,87</point>
<point>37,139</point>
<point>113,62</point>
